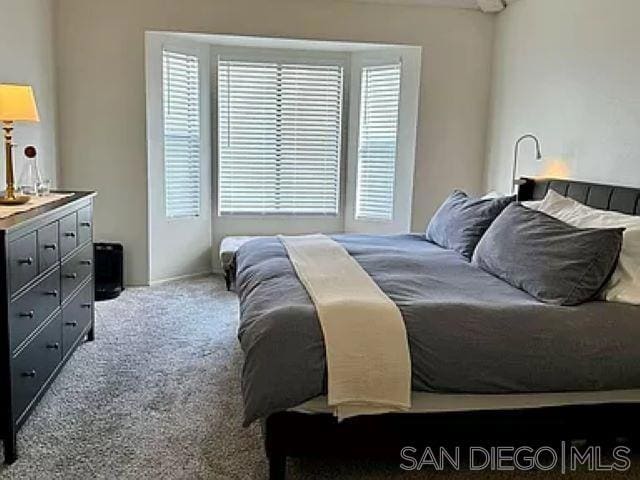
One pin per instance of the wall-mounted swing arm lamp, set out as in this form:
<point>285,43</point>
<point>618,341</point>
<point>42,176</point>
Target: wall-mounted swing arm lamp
<point>515,180</point>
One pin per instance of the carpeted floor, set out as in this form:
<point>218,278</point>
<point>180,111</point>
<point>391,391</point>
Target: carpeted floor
<point>157,395</point>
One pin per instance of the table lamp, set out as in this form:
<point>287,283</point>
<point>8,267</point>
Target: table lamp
<point>17,104</point>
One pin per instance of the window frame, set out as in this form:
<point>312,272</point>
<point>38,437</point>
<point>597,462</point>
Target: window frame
<point>410,58</point>
<point>308,57</point>
<point>168,255</point>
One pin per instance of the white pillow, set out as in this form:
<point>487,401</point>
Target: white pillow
<point>624,285</point>
<point>491,194</point>
<point>532,204</point>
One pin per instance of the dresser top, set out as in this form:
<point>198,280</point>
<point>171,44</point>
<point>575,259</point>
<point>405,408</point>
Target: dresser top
<point>23,218</point>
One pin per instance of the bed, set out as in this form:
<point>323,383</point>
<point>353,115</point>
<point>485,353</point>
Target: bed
<point>482,352</point>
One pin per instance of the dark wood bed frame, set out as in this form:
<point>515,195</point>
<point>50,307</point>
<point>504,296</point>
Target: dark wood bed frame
<point>292,434</point>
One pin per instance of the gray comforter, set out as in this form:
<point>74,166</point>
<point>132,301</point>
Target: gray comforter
<point>468,331</point>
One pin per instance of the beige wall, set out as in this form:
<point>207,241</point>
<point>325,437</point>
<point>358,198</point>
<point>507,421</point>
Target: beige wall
<point>102,98</point>
<point>26,57</point>
<point>568,71</point>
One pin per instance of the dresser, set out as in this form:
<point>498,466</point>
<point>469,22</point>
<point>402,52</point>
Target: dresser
<point>47,305</point>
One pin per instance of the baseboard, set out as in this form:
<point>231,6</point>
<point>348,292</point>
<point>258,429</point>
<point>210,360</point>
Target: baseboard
<point>183,277</point>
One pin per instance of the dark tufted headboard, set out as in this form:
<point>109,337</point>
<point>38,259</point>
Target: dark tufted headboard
<point>604,197</point>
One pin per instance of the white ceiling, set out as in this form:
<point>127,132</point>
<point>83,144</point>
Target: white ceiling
<point>431,3</point>
<point>472,4</point>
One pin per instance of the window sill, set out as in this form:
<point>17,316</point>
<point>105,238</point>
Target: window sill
<point>276,215</point>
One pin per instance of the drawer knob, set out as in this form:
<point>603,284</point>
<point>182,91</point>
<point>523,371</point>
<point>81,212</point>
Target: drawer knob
<point>52,293</point>
<point>26,261</point>
<point>85,262</point>
<point>29,314</point>
<point>86,305</point>
<point>85,224</point>
<point>70,234</point>
<point>30,374</point>
<point>71,324</point>
<point>70,275</point>
<point>54,346</point>
<point>50,246</point>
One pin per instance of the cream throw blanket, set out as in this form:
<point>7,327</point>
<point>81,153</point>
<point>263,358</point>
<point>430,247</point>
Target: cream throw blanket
<point>368,362</point>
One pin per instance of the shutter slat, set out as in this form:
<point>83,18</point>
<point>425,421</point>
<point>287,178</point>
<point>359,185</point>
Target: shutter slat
<point>377,142</point>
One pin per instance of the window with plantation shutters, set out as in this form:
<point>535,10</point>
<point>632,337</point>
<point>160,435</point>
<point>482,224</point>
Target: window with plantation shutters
<point>377,142</point>
<point>279,135</point>
<point>181,107</point>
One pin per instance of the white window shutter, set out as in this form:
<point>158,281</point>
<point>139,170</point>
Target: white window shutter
<point>279,135</point>
<point>181,107</point>
<point>377,142</point>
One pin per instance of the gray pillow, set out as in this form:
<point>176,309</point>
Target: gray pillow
<point>547,258</point>
<point>461,221</point>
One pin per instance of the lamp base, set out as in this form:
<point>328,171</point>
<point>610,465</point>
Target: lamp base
<point>17,200</point>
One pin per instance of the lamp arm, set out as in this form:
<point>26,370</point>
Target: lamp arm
<point>515,157</point>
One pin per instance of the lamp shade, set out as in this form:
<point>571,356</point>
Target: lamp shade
<point>17,104</point>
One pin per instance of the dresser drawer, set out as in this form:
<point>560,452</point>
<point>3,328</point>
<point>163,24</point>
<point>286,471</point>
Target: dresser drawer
<point>76,317</point>
<point>33,365</point>
<point>27,312</point>
<point>76,269</point>
<point>47,246</point>
<point>84,225</point>
<point>22,261</point>
<point>68,234</point>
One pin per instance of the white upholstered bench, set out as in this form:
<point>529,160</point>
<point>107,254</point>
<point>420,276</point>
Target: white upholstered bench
<point>228,248</point>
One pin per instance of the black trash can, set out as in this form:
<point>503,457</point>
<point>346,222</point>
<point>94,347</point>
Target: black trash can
<point>109,271</point>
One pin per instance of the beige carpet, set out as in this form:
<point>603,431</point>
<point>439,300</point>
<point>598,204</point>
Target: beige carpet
<point>157,396</point>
